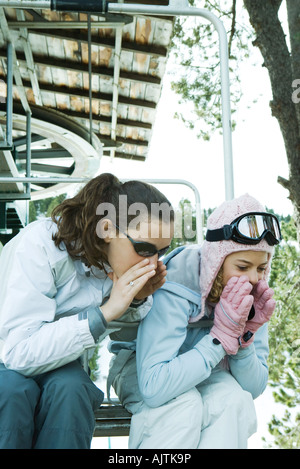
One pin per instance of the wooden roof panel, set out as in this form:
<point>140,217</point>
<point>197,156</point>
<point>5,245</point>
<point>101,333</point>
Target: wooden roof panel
<point>60,61</point>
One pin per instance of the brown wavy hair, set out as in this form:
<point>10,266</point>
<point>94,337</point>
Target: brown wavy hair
<point>217,288</point>
<point>77,220</point>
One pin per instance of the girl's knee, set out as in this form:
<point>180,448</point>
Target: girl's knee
<point>191,401</point>
<point>187,407</point>
<point>221,393</point>
<point>239,400</point>
<point>176,424</point>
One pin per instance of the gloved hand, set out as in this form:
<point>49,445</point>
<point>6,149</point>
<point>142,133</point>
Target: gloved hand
<point>231,313</point>
<point>264,306</point>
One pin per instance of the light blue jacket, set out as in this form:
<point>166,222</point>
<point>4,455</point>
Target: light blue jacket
<point>173,357</point>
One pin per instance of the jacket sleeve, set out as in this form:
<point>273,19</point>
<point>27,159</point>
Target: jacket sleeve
<point>163,373</point>
<point>34,339</point>
<point>249,365</point>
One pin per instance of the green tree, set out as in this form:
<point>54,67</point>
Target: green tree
<point>44,207</point>
<point>284,338</point>
<point>94,364</point>
<point>197,79</point>
<point>185,225</point>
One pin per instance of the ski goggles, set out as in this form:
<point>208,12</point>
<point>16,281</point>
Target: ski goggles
<point>143,248</point>
<point>249,228</point>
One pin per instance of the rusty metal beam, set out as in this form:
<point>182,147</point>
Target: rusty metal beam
<point>65,24</point>
<point>81,67</point>
<point>97,96</point>
<point>153,50</point>
<point>121,141</point>
<point>97,118</point>
<point>126,156</point>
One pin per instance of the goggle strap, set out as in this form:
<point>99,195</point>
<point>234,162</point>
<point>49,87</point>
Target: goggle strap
<point>219,234</point>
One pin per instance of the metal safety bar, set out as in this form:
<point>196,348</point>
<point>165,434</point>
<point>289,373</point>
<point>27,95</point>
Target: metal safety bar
<point>7,144</point>
<point>175,8</point>
<point>56,180</point>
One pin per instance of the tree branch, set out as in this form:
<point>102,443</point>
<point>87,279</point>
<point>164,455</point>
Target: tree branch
<point>284,182</point>
<point>232,30</point>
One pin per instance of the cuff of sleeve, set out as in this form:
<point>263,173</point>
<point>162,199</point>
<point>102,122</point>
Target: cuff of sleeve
<point>138,303</point>
<point>212,351</point>
<point>97,322</point>
<point>244,352</point>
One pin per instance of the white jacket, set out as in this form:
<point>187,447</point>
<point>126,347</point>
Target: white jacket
<point>47,302</point>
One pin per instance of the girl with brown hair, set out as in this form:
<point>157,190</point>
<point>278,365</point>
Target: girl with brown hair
<point>62,280</point>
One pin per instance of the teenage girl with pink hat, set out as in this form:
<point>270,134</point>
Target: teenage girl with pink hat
<point>201,353</point>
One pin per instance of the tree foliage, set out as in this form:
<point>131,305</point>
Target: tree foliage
<point>195,51</point>
<point>185,230</point>
<point>284,339</point>
<point>44,207</point>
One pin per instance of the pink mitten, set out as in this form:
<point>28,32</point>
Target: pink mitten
<point>264,306</point>
<point>231,313</point>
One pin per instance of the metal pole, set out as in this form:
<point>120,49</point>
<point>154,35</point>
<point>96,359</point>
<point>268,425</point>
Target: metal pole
<point>114,106</point>
<point>36,4</point>
<point>28,164</point>
<point>48,180</point>
<point>28,150</point>
<point>90,77</point>
<point>57,180</point>
<point>64,24</point>
<point>3,214</point>
<point>9,97</point>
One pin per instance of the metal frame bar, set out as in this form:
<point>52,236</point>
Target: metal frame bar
<point>16,70</point>
<point>90,76</point>
<point>3,216</point>
<point>29,57</point>
<point>28,150</point>
<point>115,97</point>
<point>12,196</point>
<point>63,24</point>
<point>56,180</point>
<point>36,4</point>
<point>9,97</point>
<point>8,143</point>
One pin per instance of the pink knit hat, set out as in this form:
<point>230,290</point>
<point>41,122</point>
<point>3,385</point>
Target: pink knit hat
<point>214,253</point>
